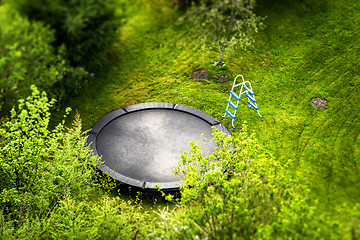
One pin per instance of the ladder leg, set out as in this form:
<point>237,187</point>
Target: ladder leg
<point>232,123</point>
<point>259,113</point>
<point>227,107</point>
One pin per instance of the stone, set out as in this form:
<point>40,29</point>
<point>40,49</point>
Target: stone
<point>319,103</point>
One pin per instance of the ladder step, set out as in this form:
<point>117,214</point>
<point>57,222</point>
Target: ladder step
<point>249,91</point>
<point>233,105</point>
<point>235,96</point>
<point>230,114</point>
<point>251,98</point>
<point>251,104</point>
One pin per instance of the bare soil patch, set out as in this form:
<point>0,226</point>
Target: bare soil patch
<point>200,74</point>
<point>222,78</point>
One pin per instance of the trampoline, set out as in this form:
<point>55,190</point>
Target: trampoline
<point>140,144</point>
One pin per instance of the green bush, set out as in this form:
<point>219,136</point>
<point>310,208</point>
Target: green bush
<point>86,27</point>
<point>49,188</point>
<point>26,56</point>
<point>241,192</point>
<point>38,166</point>
<point>109,218</point>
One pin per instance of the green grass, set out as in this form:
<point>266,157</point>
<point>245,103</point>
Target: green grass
<point>313,52</point>
<point>307,50</point>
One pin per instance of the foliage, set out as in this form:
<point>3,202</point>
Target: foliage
<point>106,218</point>
<point>227,22</point>
<point>40,166</point>
<point>109,218</point>
<point>241,192</point>
<point>185,3</point>
<point>74,81</point>
<point>86,27</point>
<point>26,56</point>
<point>48,182</point>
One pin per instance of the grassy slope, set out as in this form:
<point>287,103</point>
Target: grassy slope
<point>312,52</point>
<point>306,51</point>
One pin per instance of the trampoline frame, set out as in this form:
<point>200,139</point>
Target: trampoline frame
<point>148,186</point>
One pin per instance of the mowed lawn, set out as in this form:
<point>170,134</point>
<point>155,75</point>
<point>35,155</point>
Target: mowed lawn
<point>307,50</point>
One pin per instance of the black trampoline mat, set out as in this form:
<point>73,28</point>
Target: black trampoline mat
<point>141,144</point>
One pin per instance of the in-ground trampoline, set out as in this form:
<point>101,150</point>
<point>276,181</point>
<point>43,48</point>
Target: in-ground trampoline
<point>142,143</point>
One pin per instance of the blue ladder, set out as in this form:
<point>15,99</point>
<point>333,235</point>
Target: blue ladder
<point>249,93</point>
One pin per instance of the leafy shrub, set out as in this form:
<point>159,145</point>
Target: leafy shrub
<point>49,188</point>
<point>241,192</point>
<point>106,218</point>
<point>86,27</point>
<point>26,56</point>
<point>39,166</point>
<point>73,82</point>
